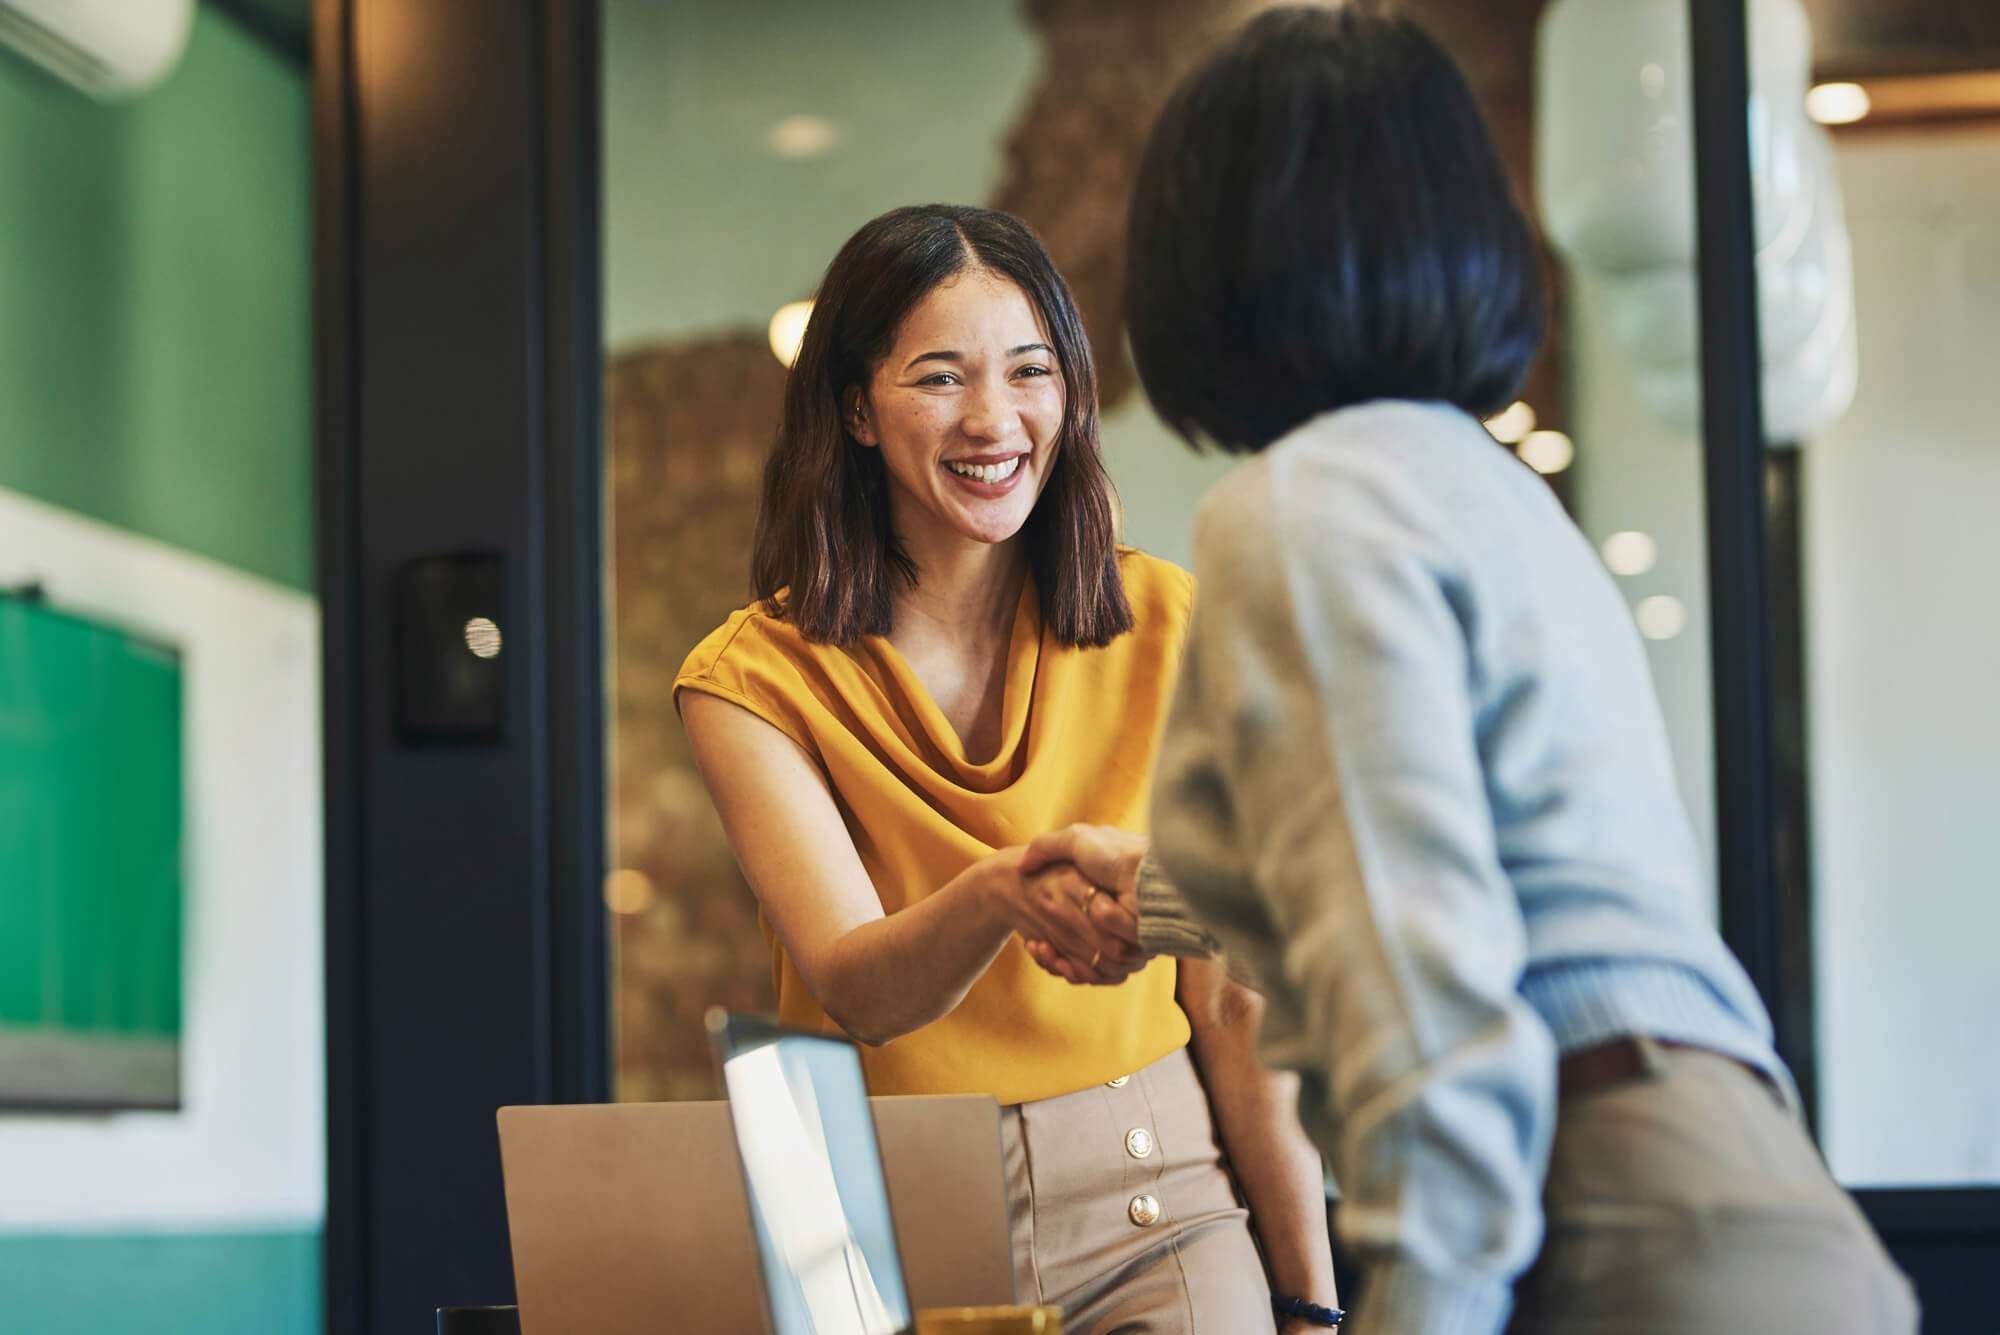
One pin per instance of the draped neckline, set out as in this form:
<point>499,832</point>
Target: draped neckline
<point>1024,652</point>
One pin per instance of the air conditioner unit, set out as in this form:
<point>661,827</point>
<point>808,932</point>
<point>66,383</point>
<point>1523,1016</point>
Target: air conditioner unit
<point>108,48</point>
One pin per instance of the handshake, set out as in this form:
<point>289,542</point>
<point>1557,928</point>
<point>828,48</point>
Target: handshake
<point>1076,893</point>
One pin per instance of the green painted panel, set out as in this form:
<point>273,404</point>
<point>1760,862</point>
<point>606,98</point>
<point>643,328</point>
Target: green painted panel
<point>163,1284</point>
<point>155,303</point>
<point>90,860</point>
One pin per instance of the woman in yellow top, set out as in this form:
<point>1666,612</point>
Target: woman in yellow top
<point>948,655</point>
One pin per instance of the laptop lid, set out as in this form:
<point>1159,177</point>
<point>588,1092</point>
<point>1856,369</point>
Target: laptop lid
<point>631,1218</point>
<point>819,1198</point>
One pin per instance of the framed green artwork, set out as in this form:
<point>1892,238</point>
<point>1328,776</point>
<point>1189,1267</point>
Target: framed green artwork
<point>91,864</point>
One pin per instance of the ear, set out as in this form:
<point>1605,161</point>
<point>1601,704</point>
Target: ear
<point>854,414</point>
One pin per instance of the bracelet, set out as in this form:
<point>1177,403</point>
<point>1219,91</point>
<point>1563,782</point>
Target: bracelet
<point>1286,1305</point>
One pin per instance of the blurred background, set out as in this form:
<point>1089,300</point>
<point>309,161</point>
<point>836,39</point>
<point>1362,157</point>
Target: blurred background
<point>745,141</point>
<point>295,293</point>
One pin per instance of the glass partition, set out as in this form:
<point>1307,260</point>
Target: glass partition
<point>743,143</point>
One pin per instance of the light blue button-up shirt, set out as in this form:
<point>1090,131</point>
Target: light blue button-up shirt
<point>1417,779</point>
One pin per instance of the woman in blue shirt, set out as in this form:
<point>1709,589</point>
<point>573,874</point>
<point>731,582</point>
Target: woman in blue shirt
<point>1415,780</point>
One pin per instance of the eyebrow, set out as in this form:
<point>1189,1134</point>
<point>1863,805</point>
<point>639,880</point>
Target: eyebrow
<point>948,356</point>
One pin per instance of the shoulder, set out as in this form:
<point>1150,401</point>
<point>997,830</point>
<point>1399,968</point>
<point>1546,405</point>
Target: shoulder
<point>757,661</point>
<point>1375,480</point>
<point>750,640</point>
<point>1233,527</point>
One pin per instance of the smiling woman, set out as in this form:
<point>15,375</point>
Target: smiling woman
<point>949,653</point>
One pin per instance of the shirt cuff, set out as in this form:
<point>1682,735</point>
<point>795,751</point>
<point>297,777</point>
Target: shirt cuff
<point>1398,1297</point>
<point>1166,925</point>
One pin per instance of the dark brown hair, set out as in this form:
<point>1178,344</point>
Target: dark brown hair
<point>823,530</point>
<point>1321,219</point>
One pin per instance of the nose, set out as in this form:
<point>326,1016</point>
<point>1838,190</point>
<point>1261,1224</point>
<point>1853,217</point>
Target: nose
<point>988,415</point>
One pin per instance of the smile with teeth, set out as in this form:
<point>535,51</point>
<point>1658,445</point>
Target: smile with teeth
<point>986,472</point>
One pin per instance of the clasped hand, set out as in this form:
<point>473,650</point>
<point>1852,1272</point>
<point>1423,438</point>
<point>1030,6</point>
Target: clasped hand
<point>1081,884</point>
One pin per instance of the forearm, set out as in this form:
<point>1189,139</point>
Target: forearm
<point>1278,1168</point>
<point>898,973</point>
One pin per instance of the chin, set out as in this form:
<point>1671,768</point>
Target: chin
<point>993,534</point>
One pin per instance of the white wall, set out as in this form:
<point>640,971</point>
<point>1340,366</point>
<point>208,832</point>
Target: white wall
<point>1901,526</point>
<point>247,1148</point>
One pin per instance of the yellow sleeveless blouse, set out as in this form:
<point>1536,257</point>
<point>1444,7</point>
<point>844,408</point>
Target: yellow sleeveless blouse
<point>1080,728</point>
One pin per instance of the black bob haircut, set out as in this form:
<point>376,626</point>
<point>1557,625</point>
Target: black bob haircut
<point>1321,219</point>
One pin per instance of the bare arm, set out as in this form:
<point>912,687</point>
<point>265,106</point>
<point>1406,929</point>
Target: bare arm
<point>1256,1119</point>
<point>795,851</point>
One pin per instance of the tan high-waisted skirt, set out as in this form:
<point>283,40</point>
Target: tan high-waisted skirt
<point>1123,1214</point>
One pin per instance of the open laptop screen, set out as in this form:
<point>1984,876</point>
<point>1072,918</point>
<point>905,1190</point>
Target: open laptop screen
<point>818,1199</point>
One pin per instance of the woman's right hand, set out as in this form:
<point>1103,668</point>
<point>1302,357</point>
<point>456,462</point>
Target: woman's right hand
<point>1052,906</point>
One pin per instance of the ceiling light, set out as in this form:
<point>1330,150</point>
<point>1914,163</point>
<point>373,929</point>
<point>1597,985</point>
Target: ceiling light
<point>1630,552</point>
<point>1661,617</point>
<point>1837,103</point>
<point>1547,451</point>
<point>788,330</point>
<point>1511,423</point>
<point>803,137</point>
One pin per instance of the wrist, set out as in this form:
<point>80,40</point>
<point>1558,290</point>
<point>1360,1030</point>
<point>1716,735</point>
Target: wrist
<point>1304,1283</point>
<point>995,884</point>
<point>1288,1308</point>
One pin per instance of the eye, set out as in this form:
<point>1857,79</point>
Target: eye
<point>1032,370</point>
<point>941,378</point>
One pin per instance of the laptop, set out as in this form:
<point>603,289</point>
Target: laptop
<point>632,1218</point>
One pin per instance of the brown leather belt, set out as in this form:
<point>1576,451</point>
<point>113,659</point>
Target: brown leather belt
<point>1588,1070</point>
<point>1606,1065</point>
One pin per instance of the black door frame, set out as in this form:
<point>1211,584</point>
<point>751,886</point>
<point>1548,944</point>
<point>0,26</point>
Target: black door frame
<point>457,278</point>
<point>455,146</point>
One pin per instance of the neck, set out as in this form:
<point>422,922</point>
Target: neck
<point>963,588</point>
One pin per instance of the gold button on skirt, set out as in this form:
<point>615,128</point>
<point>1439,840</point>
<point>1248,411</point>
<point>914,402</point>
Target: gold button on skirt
<point>1123,1215</point>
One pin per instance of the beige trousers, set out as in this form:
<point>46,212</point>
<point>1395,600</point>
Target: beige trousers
<point>1123,1215</point>
<point>1690,1200</point>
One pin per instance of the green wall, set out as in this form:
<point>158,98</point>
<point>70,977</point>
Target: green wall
<point>235,1283</point>
<point>156,374</point>
<point>155,303</point>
